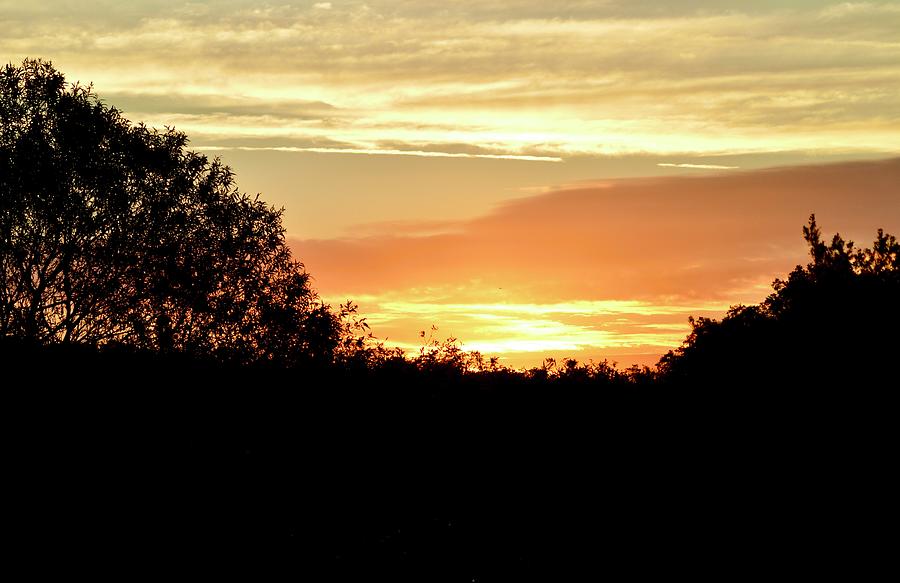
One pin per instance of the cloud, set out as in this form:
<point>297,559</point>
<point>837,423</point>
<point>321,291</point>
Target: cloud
<point>613,269</point>
<point>214,104</point>
<point>405,228</point>
<point>631,237</point>
<point>512,77</point>
<point>845,10</point>
<point>698,166</point>
<point>384,152</point>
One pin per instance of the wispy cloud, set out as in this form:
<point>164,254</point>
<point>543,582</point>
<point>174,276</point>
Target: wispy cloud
<point>698,166</point>
<point>515,78</point>
<point>385,152</point>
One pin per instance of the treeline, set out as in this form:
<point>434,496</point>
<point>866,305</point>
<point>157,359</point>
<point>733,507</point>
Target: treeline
<point>170,376</point>
<point>118,237</point>
<point>834,319</point>
<point>769,427</point>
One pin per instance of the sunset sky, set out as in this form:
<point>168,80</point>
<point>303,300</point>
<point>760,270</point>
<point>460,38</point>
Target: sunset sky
<point>535,178</point>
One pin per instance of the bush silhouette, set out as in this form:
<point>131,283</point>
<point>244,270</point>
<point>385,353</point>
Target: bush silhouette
<point>835,319</point>
<point>115,232</point>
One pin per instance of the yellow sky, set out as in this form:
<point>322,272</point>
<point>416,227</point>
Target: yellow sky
<point>419,119</point>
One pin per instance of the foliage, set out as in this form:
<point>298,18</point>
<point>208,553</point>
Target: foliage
<point>115,232</point>
<point>835,319</point>
<point>357,347</point>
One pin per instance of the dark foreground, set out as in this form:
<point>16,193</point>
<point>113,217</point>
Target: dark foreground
<point>436,483</point>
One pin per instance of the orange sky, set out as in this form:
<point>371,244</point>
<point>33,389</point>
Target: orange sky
<point>537,178</point>
<point>601,269</point>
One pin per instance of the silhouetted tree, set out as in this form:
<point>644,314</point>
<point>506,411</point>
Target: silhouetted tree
<point>111,231</point>
<point>836,318</point>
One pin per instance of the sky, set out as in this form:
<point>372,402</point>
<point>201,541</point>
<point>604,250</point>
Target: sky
<point>534,178</point>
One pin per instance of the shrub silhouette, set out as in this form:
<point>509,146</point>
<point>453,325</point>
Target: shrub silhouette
<point>835,319</point>
<point>115,232</point>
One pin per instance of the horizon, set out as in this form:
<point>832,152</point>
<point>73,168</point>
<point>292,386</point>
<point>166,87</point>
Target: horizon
<point>535,181</point>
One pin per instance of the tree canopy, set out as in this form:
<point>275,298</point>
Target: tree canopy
<point>835,318</point>
<point>116,232</point>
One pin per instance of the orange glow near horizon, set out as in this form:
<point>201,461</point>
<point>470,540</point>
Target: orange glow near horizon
<point>610,271</point>
<point>522,335</point>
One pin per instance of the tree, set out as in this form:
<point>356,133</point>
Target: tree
<point>834,319</point>
<point>115,232</point>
